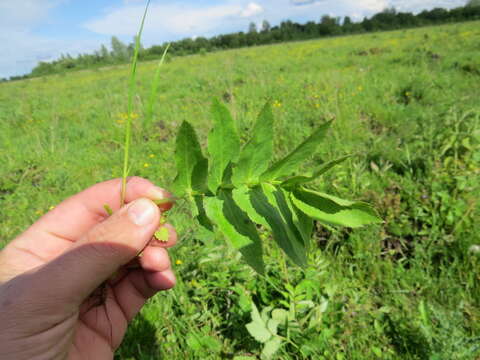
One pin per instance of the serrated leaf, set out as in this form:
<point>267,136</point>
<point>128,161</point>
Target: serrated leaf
<point>265,314</point>
<point>223,144</point>
<point>237,228</point>
<point>281,315</point>
<point>322,169</point>
<point>199,176</point>
<point>162,234</point>
<point>291,162</point>
<point>271,204</point>
<point>271,347</point>
<point>242,199</point>
<point>333,210</point>
<point>200,213</point>
<point>188,154</point>
<point>257,327</point>
<point>272,326</point>
<point>303,223</point>
<point>257,153</point>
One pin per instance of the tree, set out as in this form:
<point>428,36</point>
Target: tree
<point>473,3</point>
<point>104,53</point>
<point>328,25</point>
<point>252,28</point>
<point>119,49</point>
<point>266,26</point>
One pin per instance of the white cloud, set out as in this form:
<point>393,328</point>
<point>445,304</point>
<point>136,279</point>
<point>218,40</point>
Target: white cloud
<point>173,19</point>
<point>369,5</point>
<point>22,48</point>
<point>252,9</point>
<point>181,19</point>
<point>25,13</point>
<point>304,2</point>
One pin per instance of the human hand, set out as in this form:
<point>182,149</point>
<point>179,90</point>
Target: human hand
<point>48,274</point>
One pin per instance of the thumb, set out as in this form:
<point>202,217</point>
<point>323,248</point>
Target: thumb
<point>105,248</point>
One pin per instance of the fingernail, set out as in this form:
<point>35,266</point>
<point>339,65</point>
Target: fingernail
<point>156,193</point>
<point>142,212</point>
<point>170,276</point>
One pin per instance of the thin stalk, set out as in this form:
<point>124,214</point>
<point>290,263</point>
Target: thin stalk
<point>131,92</point>
<point>154,90</point>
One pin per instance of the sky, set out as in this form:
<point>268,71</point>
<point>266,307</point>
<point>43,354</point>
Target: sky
<point>41,30</point>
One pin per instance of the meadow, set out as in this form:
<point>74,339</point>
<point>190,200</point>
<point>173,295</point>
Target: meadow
<point>405,102</point>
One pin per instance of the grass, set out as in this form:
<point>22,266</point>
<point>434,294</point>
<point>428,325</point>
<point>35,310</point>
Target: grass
<point>407,101</point>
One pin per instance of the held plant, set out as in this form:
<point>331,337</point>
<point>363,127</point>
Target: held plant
<point>237,189</point>
<point>162,233</point>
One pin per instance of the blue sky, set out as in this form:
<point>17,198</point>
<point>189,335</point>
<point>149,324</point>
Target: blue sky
<point>40,30</point>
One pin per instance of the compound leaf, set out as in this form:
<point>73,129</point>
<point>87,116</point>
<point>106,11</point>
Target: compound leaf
<point>334,211</point>
<point>271,347</point>
<point>257,153</point>
<point>223,144</point>
<point>291,162</point>
<point>257,327</point>
<point>237,228</point>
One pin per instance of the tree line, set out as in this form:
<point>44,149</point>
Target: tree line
<point>388,19</point>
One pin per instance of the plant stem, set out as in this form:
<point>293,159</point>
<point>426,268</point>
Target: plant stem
<point>131,92</point>
<point>153,91</point>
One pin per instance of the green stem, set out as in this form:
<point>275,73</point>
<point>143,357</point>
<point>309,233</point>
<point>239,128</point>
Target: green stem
<point>131,92</point>
<point>154,89</point>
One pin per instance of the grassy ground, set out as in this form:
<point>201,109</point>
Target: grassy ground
<point>407,102</point>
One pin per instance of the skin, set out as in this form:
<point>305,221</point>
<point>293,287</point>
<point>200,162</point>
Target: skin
<point>70,284</point>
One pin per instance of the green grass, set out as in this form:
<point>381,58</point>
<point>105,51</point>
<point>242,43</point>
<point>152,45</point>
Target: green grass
<point>407,102</point>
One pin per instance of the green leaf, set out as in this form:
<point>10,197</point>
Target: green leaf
<point>256,154</point>
<point>281,315</point>
<point>272,326</point>
<point>199,176</point>
<point>334,211</point>
<point>291,162</point>
<point>223,144</point>
<point>162,234</point>
<point>108,209</point>
<point>237,228</point>
<point>201,342</point>
<point>188,154</point>
<point>200,213</point>
<point>271,204</point>
<point>303,223</point>
<point>257,327</point>
<point>271,347</point>
<point>242,199</point>
<point>322,169</point>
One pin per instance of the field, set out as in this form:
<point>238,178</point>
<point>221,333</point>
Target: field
<point>406,102</point>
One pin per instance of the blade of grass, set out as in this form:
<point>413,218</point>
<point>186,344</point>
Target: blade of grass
<point>155,82</point>
<point>131,92</point>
